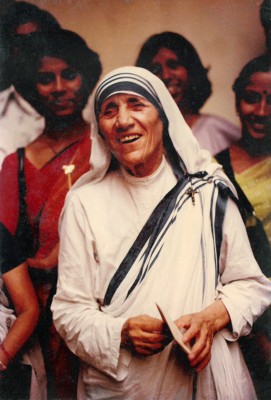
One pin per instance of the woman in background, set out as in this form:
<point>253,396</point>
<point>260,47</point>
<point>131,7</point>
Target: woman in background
<point>172,58</point>
<point>251,155</point>
<point>58,74</point>
<point>250,160</point>
<point>15,372</point>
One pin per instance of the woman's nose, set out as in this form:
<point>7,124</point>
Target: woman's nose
<point>166,73</point>
<point>123,120</point>
<point>59,84</point>
<point>263,108</point>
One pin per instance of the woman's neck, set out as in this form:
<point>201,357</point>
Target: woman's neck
<point>255,147</point>
<point>53,141</point>
<point>190,118</point>
<point>74,130</point>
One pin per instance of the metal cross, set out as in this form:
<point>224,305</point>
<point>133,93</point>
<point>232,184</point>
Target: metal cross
<point>191,192</point>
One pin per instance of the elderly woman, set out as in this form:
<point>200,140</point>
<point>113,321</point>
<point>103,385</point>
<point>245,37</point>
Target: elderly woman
<point>58,75</point>
<point>172,58</point>
<point>149,230</point>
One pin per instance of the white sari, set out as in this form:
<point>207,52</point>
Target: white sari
<point>184,272</point>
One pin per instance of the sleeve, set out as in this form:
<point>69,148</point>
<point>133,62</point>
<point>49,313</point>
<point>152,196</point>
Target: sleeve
<point>89,333</point>
<point>10,257</point>
<point>243,288</point>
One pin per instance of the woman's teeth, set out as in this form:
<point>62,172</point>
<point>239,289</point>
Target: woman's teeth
<point>129,139</point>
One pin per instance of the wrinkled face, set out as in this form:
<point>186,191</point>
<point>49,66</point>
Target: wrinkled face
<point>60,88</point>
<point>255,106</point>
<point>133,131</point>
<point>166,66</point>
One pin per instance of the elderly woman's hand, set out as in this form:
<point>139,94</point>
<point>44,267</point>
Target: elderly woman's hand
<point>200,330</point>
<point>144,335</point>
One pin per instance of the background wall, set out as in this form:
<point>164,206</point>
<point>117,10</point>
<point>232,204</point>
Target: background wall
<point>226,33</point>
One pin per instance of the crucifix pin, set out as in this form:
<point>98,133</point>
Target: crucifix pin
<point>191,192</point>
<point>68,170</point>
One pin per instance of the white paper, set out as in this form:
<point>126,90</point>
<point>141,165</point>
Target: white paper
<point>176,333</point>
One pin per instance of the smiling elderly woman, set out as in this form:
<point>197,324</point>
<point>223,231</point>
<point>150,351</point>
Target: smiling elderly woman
<point>150,231</point>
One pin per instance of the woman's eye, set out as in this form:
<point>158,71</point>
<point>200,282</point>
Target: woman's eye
<point>108,109</point>
<point>69,74</point>
<point>252,97</point>
<point>155,69</point>
<point>107,112</point>
<point>45,78</point>
<point>136,103</point>
<point>173,64</point>
<point>139,104</point>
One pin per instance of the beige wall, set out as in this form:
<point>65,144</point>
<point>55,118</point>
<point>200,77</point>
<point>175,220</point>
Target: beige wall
<point>226,33</point>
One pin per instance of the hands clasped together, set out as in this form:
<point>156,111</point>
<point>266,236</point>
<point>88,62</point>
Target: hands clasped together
<point>147,335</point>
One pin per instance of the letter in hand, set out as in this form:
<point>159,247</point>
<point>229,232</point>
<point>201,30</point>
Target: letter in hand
<point>143,335</point>
<point>175,332</point>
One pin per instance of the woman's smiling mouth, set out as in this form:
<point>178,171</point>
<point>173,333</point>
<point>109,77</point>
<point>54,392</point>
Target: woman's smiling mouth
<point>128,139</point>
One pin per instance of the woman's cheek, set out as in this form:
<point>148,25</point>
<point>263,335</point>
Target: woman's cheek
<point>43,91</point>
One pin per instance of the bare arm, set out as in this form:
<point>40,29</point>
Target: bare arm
<point>47,262</point>
<point>201,328</point>
<point>22,293</point>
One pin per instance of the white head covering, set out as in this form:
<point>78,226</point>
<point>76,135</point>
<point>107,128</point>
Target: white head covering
<point>144,83</point>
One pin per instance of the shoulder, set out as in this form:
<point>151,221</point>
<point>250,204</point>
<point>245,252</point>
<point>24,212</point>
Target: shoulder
<point>217,122</point>
<point>10,163</point>
<point>4,97</point>
<point>220,182</point>
<point>98,192</point>
<point>215,133</point>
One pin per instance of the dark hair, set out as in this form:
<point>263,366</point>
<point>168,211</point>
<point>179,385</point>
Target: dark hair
<point>18,14</point>
<point>62,44</point>
<point>23,12</point>
<point>199,86</point>
<point>265,14</point>
<point>259,64</point>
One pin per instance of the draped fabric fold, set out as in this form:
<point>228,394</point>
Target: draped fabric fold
<point>150,241</point>
<point>51,209</point>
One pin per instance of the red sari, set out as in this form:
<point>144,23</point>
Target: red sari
<point>46,191</point>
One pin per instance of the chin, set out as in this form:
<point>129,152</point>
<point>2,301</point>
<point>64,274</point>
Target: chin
<point>258,136</point>
<point>257,146</point>
<point>56,119</point>
<point>130,164</point>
